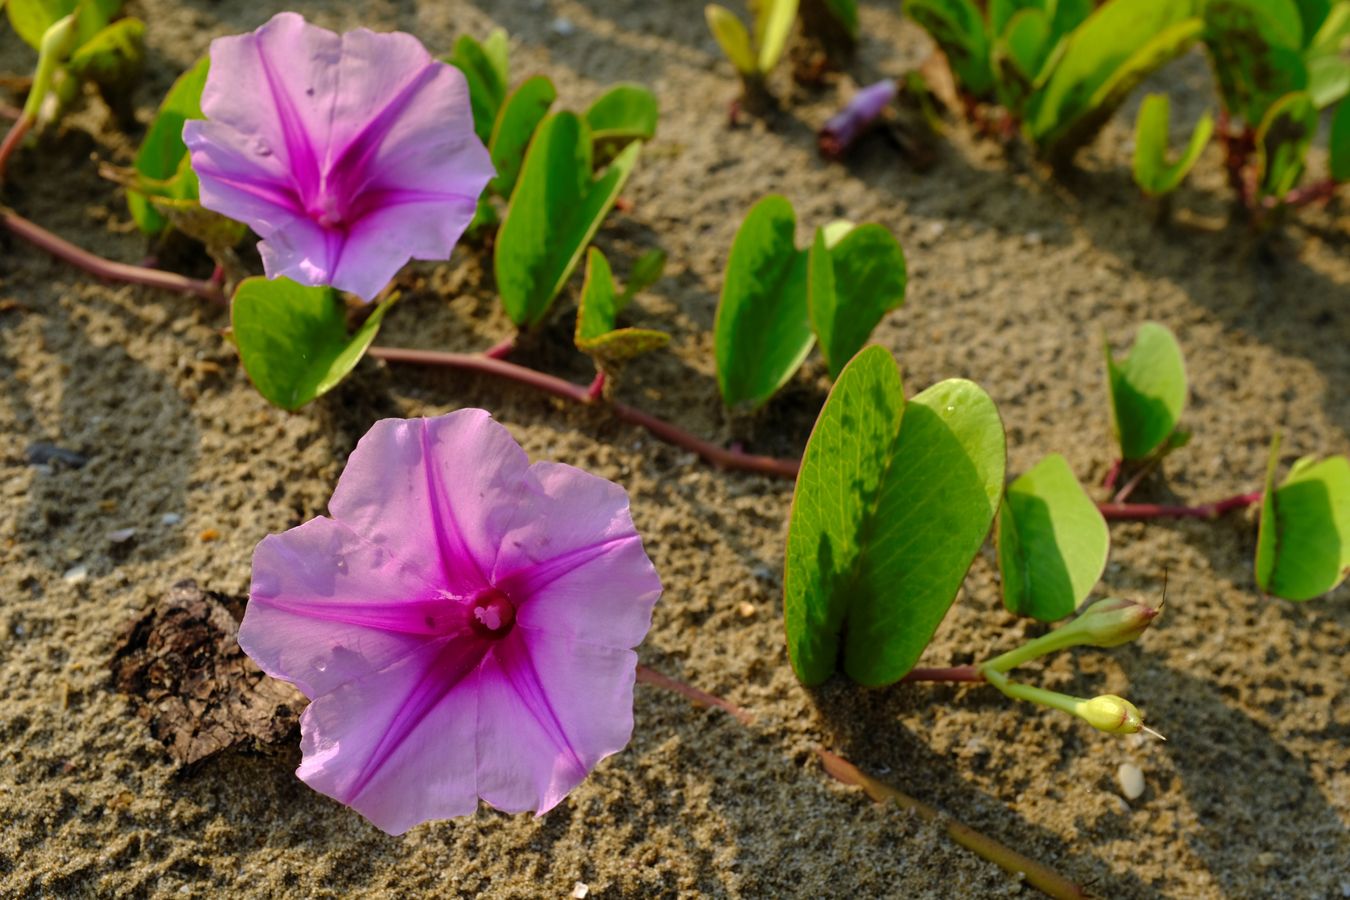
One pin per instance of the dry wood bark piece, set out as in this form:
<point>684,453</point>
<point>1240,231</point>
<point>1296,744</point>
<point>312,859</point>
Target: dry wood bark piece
<point>188,679</point>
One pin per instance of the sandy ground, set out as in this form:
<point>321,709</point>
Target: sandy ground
<point>1014,277</point>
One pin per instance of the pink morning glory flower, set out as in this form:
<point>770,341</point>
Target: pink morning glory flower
<point>463,623</point>
<point>348,154</point>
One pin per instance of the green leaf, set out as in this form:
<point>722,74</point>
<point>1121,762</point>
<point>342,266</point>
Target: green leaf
<point>1282,143</point>
<point>1103,60</point>
<point>646,272</point>
<point>1255,49</point>
<point>486,73</point>
<point>732,37</point>
<point>1338,145</point>
<point>293,339</point>
<point>1332,33</point>
<point>516,124</point>
<point>114,56</point>
<point>957,27</point>
<point>163,152</point>
<point>852,286</point>
<point>555,211</point>
<point>762,332</point>
<point>1001,12</point>
<point>773,25</point>
<point>624,113</point>
<point>1147,390</point>
<point>1052,542</point>
<point>892,502</point>
<point>596,315</point>
<point>1303,546</point>
<point>30,19</point>
<point>1152,172</point>
<point>1328,80</point>
<point>1312,14</point>
<point>1019,55</point>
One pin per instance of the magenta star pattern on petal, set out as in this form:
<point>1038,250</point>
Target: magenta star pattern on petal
<point>348,154</point>
<point>463,624</point>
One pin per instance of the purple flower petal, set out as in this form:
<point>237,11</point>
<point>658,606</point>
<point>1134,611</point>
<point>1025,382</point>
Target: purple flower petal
<point>398,746</point>
<point>405,489</point>
<point>463,623</point>
<point>549,710</point>
<point>347,154</point>
<point>573,551</point>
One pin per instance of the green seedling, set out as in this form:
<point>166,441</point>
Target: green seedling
<point>597,333</point>
<point>1147,392</point>
<point>1303,546</point>
<point>777,300</point>
<point>754,58</point>
<point>1156,176</point>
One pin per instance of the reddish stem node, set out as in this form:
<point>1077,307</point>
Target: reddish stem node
<point>1113,475</point>
<point>502,349</point>
<point>596,391</point>
<point>105,268</point>
<point>1141,511</point>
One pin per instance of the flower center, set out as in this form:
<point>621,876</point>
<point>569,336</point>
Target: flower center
<point>493,614</point>
<point>327,211</point>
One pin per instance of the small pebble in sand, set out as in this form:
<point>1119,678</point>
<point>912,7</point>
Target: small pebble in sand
<point>121,535</point>
<point>580,890</point>
<point>1131,779</point>
<point>209,535</point>
<point>170,519</point>
<point>746,610</point>
<point>562,26</point>
<point>76,574</point>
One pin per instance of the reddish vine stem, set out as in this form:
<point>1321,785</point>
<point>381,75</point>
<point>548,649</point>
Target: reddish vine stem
<point>1141,511</point>
<point>1037,875</point>
<point>12,139</point>
<point>970,674</point>
<point>502,349</point>
<point>106,268</point>
<point>549,384</point>
<point>1302,196</point>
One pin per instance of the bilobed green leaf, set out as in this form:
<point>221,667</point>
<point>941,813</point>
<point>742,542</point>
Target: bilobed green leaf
<point>731,36</point>
<point>626,112</point>
<point>1052,542</point>
<point>892,502</point>
<point>1147,391</point>
<point>520,116</point>
<point>1103,60</point>
<point>1303,546</point>
<point>1282,143</point>
<point>555,211</point>
<point>1256,50</point>
<point>852,286</point>
<point>1152,172</point>
<point>773,26</point>
<point>763,330</point>
<point>487,77</point>
<point>1338,144</point>
<point>162,152</point>
<point>957,27</point>
<point>596,315</point>
<point>293,339</point>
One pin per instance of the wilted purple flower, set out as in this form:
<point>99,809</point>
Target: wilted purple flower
<point>844,127</point>
<point>463,623</point>
<point>348,154</point>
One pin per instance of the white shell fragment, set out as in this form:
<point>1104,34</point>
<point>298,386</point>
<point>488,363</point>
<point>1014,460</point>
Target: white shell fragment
<point>1131,779</point>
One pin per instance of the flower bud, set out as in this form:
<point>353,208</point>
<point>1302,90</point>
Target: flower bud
<point>1112,714</point>
<point>1112,622</point>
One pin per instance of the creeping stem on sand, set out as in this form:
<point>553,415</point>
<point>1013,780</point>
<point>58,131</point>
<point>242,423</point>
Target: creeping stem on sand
<point>493,363</point>
<point>1039,876</point>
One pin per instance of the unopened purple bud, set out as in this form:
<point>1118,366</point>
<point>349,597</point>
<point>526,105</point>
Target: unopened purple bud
<point>845,126</point>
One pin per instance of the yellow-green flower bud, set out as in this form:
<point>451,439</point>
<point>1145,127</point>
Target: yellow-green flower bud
<point>1112,714</point>
<point>1112,622</point>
